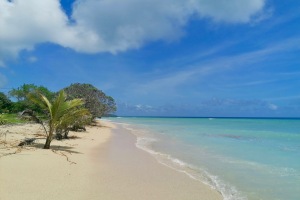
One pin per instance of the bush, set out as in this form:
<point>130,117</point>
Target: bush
<point>3,121</point>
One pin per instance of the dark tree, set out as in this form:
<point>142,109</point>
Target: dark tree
<point>5,103</point>
<point>96,101</point>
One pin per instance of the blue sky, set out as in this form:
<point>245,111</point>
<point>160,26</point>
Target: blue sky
<point>227,58</point>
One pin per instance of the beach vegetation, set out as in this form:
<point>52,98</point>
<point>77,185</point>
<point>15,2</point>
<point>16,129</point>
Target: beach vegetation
<point>10,118</point>
<point>20,94</point>
<point>17,107</point>
<point>5,103</point>
<point>60,111</point>
<point>2,120</point>
<point>96,101</point>
<point>73,122</point>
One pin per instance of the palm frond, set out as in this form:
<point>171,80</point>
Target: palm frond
<point>59,106</point>
<point>40,100</point>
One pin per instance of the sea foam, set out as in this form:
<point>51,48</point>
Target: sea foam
<point>228,191</point>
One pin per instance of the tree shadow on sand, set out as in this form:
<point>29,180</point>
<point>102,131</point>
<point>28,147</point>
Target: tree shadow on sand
<point>68,149</point>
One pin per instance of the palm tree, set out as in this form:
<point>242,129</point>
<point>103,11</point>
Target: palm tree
<point>59,112</point>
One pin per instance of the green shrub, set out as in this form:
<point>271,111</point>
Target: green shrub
<point>3,120</point>
<point>10,119</point>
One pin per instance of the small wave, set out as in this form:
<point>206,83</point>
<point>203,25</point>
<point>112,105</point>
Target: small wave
<point>228,192</point>
<point>179,162</point>
<point>143,142</point>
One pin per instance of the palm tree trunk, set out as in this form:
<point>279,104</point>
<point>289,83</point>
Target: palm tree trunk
<point>47,144</point>
<point>49,138</point>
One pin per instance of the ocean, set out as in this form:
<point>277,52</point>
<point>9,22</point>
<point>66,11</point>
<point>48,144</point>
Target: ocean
<point>242,158</point>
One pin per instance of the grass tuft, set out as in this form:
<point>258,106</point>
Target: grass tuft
<point>10,119</point>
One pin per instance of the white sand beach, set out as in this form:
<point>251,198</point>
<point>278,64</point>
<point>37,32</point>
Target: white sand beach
<point>101,163</point>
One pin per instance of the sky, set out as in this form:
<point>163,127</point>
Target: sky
<point>205,58</point>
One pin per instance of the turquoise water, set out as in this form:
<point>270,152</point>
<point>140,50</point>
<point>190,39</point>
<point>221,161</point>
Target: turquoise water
<point>242,158</point>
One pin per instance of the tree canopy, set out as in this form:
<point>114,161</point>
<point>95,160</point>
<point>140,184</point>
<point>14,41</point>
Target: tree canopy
<point>21,93</point>
<point>96,101</point>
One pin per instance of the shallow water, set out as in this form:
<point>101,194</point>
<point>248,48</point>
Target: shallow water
<point>242,158</point>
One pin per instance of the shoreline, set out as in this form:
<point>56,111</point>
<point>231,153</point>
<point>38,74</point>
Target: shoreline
<point>95,166</point>
<point>141,176</point>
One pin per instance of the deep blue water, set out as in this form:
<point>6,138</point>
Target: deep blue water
<point>242,158</point>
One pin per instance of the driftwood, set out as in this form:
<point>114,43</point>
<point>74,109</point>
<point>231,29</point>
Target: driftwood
<point>27,141</point>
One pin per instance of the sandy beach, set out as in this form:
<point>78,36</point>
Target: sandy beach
<point>101,163</point>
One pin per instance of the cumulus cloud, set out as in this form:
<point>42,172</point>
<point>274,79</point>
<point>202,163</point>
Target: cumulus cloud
<point>25,23</point>
<point>127,24</point>
<point>122,25</point>
<point>109,25</point>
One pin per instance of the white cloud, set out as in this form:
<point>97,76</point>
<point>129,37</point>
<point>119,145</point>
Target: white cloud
<point>229,10</point>
<point>26,23</point>
<point>23,24</point>
<point>109,25</point>
<point>127,24</point>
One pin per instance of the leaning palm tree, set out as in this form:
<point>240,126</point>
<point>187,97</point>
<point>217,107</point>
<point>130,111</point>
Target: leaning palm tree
<point>59,112</point>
